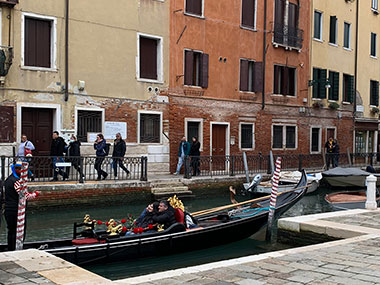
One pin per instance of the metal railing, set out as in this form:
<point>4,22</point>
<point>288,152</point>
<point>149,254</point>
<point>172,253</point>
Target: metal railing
<point>41,168</point>
<point>287,35</point>
<point>231,165</point>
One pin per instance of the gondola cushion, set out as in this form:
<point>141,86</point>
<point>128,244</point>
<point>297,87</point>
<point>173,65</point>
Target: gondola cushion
<point>179,216</point>
<point>86,241</point>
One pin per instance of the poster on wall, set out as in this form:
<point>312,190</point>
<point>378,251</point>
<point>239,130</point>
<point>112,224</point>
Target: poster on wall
<point>112,128</point>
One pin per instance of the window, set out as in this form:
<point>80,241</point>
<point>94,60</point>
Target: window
<point>373,44</point>
<point>88,121</point>
<point>39,37</point>
<point>374,93</point>
<point>194,7</point>
<point>193,130</point>
<point>317,25</point>
<point>248,13</point>
<point>246,136</point>
<point>150,128</point>
<point>284,80</point>
<point>319,83</point>
<point>284,137</point>
<point>348,88</point>
<point>196,68</point>
<point>315,139</point>
<point>150,58</point>
<point>374,5</point>
<point>334,83</point>
<point>286,30</point>
<point>347,35</point>
<point>250,75</point>
<point>333,29</point>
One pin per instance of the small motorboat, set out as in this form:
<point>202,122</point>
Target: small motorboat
<point>215,226</point>
<point>348,200</point>
<point>347,177</point>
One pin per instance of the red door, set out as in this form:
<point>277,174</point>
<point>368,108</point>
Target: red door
<point>218,147</point>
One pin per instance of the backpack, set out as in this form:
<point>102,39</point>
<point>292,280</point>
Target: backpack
<point>107,149</point>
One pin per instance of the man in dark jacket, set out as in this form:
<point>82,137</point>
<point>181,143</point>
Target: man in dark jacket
<point>12,188</point>
<point>73,156</point>
<point>119,149</point>
<point>194,154</point>
<point>56,152</point>
<point>183,151</point>
<point>100,146</point>
<point>165,215</point>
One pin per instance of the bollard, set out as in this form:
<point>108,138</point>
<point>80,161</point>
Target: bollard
<point>371,203</point>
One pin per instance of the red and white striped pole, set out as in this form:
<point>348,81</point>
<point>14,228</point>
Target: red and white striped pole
<point>273,198</point>
<point>22,206</point>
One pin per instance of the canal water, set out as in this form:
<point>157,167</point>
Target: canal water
<point>52,224</point>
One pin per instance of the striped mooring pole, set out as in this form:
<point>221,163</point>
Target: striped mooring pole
<point>22,206</point>
<point>273,198</point>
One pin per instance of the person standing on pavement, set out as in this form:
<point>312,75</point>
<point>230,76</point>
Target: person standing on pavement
<point>12,187</point>
<point>73,155</point>
<point>101,153</point>
<point>183,151</point>
<point>330,150</point>
<point>56,152</point>
<point>119,149</point>
<point>194,154</point>
<point>24,153</point>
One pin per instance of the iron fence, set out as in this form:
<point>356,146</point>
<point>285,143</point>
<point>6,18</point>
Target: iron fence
<point>41,168</point>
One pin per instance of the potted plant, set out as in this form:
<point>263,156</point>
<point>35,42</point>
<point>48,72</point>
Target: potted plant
<point>334,105</point>
<point>375,110</point>
<point>318,104</point>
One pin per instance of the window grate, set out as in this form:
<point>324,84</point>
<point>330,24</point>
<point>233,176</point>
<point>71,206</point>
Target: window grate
<point>88,121</point>
<point>150,128</point>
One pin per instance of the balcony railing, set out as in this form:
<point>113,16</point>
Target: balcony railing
<point>287,36</point>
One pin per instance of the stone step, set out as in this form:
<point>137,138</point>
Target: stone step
<point>165,182</point>
<point>170,189</point>
<point>180,195</point>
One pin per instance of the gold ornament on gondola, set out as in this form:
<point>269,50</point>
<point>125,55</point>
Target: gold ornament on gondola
<point>88,223</point>
<point>160,228</point>
<point>113,228</point>
<point>176,203</point>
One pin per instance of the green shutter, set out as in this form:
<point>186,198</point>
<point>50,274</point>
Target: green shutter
<point>376,95</point>
<point>315,82</point>
<point>350,89</point>
<point>322,83</point>
<point>334,83</point>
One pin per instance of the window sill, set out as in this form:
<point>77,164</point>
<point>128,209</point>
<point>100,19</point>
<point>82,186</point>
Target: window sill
<point>248,92</point>
<point>375,11</point>
<point>332,101</point>
<point>333,45</point>
<point>246,149</point>
<point>284,148</point>
<point>315,152</point>
<point>35,68</point>
<point>347,49</point>
<point>252,29</point>
<point>373,57</point>
<point>316,99</point>
<point>318,40</point>
<point>193,86</point>
<point>150,80</point>
<point>346,103</point>
<point>194,15</point>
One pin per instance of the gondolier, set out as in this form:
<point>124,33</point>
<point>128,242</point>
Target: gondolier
<point>12,188</point>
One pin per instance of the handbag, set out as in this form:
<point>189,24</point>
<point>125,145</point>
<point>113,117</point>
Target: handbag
<point>27,151</point>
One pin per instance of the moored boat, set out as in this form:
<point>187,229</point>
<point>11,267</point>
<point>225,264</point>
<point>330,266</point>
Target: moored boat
<point>348,200</point>
<point>347,177</point>
<point>215,226</point>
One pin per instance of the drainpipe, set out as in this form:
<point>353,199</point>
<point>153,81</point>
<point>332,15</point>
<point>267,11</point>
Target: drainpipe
<point>356,56</point>
<point>67,52</point>
<point>264,53</point>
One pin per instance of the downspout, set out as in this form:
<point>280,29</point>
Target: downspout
<point>356,57</point>
<point>67,52</point>
<point>9,26</point>
<point>264,53</point>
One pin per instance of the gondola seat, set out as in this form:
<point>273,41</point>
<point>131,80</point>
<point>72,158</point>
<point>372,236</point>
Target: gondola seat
<point>83,241</point>
<point>179,216</point>
<point>176,228</point>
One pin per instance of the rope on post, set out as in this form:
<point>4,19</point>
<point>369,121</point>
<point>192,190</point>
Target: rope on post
<point>22,206</point>
<point>273,198</point>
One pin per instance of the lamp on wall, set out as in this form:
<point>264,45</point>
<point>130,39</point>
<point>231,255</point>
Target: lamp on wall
<point>326,82</point>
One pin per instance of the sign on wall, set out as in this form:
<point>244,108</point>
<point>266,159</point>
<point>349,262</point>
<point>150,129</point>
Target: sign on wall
<point>112,128</point>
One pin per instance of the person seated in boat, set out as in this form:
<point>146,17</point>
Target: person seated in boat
<point>146,217</point>
<point>190,221</point>
<point>165,215</point>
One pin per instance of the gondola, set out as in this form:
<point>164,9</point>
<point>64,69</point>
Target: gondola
<point>215,228</point>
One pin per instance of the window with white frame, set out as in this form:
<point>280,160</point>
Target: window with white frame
<point>315,139</point>
<point>347,35</point>
<point>150,127</point>
<point>318,17</point>
<point>373,44</point>
<point>194,128</point>
<point>248,13</point>
<point>375,4</point>
<point>39,36</point>
<point>194,7</point>
<point>247,137</point>
<point>88,121</point>
<point>333,30</point>
<point>150,57</point>
<point>284,137</point>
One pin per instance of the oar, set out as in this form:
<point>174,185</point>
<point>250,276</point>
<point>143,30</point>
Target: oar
<point>217,209</point>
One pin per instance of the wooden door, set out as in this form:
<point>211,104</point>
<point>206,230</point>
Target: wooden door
<point>219,140</point>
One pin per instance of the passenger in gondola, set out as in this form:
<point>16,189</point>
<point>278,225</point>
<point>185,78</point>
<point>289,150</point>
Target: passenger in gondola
<point>146,217</point>
<point>165,215</point>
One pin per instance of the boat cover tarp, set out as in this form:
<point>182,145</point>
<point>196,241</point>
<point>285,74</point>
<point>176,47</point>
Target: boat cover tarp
<point>350,171</point>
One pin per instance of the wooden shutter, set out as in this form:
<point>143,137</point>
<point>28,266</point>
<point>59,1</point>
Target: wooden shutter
<point>148,58</point>
<point>37,43</point>
<point>284,80</point>
<point>204,70</point>
<point>243,75</point>
<point>258,77</point>
<point>350,89</point>
<point>248,13</point>
<point>189,70</point>
<point>334,82</point>
<point>322,83</point>
<point>276,83</point>
<point>291,81</point>
<point>279,12</point>
<point>376,93</point>
<point>315,82</point>
<point>7,124</point>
